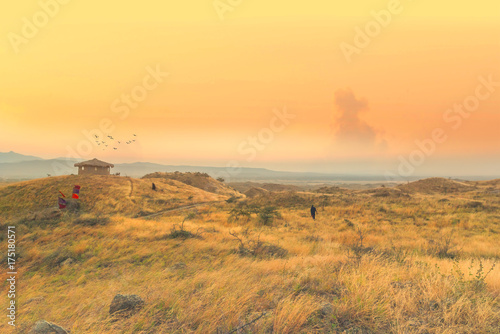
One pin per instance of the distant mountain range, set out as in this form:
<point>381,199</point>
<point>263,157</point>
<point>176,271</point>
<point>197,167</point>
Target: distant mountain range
<point>18,166</point>
<point>16,157</point>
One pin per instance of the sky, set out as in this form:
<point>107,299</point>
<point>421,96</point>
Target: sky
<point>379,87</point>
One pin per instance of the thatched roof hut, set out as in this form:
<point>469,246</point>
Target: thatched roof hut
<point>94,167</point>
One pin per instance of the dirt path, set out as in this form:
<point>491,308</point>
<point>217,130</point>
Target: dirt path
<point>184,207</point>
<point>131,187</point>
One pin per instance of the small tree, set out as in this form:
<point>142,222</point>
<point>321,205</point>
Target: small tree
<point>239,212</point>
<point>267,215</point>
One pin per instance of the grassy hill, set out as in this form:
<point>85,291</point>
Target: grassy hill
<point>419,263</point>
<point>436,185</point>
<point>253,192</point>
<point>198,180</point>
<point>490,185</point>
<point>105,195</point>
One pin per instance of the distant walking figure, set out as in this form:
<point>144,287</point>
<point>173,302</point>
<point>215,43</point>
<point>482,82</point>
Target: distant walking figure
<point>313,212</point>
<point>154,187</point>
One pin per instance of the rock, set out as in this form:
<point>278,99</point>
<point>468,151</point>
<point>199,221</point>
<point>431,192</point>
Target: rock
<point>325,310</point>
<point>434,305</point>
<point>401,285</point>
<point>35,299</point>
<point>45,327</point>
<point>69,261</point>
<point>415,323</point>
<point>126,304</point>
<point>179,265</point>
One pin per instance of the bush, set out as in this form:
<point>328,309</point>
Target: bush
<point>268,214</point>
<point>474,281</point>
<point>242,211</point>
<point>259,249</point>
<point>179,232</point>
<point>473,205</point>
<point>231,199</point>
<point>443,247</point>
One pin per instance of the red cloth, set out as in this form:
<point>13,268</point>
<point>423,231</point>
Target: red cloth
<point>62,203</point>
<point>76,192</point>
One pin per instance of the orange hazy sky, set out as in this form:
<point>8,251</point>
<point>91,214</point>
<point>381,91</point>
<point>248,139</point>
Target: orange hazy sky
<point>364,84</point>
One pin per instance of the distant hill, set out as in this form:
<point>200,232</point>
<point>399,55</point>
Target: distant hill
<point>22,167</point>
<point>331,190</point>
<point>490,184</point>
<point>436,185</point>
<point>253,192</point>
<point>244,186</point>
<point>37,168</point>
<point>56,167</point>
<point>139,169</point>
<point>384,192</point>
<point>10,157</point>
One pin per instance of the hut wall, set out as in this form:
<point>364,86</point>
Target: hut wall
<point>91,170</point>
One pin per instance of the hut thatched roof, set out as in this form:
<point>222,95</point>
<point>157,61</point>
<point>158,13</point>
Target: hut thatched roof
<point>94,163</point>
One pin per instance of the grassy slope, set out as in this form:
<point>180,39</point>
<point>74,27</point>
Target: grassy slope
<point>198,180</point>
<point>403,279</point>
<point>101,194</point>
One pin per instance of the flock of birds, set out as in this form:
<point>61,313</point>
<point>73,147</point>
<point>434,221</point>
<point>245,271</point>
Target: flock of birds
<point>109,140</point>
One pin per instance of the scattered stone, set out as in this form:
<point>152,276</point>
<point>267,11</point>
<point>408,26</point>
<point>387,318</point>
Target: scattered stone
<point>126,304</point>
<point>179,265</point>
<point>325,310</point>
<point>35,299</point>
<point>415,323</point>
<point>69,261</point>
<point>45,327</point>
<point>401,285</point>
<point>434,305</point>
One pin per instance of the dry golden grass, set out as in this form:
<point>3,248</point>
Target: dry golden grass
<point>422,267</point>
<point>198,180</point>
<point>101,195</point>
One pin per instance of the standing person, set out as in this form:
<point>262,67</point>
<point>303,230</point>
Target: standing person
<point>313,212</point>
